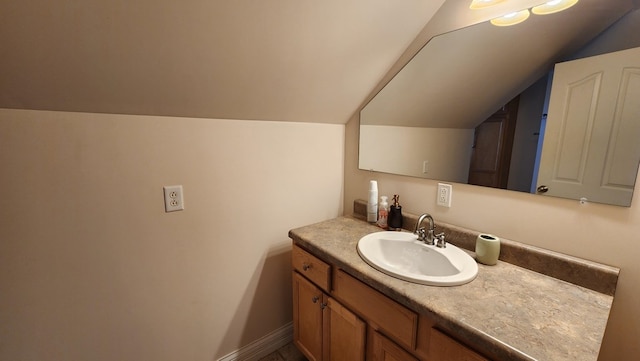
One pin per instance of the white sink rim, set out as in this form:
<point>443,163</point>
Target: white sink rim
<point>455,265</point>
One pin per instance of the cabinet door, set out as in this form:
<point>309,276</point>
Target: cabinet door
<point>385,350</point>
<point>344,337</point>
<point>444,348</point>
<point>307,317</point>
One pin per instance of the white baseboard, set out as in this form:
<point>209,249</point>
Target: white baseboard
<point>262,346</point>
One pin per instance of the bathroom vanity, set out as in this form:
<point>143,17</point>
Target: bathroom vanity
<point>345,309</point>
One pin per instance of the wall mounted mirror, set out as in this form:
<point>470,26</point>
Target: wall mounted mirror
<point>471,105</point>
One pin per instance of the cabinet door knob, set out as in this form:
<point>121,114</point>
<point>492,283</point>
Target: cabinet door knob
<point>315,299</point>
<point>323,305</point>
<point>306,266</point>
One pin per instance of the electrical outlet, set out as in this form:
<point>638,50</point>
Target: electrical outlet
<point>173,198</point>
<point>444,194</point>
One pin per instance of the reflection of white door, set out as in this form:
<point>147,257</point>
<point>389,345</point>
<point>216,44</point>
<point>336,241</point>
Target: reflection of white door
<point>592,138</point>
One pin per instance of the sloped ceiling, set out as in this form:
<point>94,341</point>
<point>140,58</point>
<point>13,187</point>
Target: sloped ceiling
<point>290,60</point>
<point>462,77</point>
<point>283,60</point>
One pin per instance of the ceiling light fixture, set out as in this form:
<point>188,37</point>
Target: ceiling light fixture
<point>481,4</point>
<point>511,19</point>
<point>553,6</point>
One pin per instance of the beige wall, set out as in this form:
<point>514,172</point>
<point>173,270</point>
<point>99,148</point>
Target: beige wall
<point>602,233</point>
<point>92,268</point>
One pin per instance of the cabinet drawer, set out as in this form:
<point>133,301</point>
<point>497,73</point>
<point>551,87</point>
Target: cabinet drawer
<point>394,320</point>
<point>444,348</point>
<point>384,350</point>
<point>311,267</point>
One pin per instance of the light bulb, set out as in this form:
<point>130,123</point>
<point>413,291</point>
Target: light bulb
<point>481,4</point>
<point>553,6</point>
<point>511,18</point>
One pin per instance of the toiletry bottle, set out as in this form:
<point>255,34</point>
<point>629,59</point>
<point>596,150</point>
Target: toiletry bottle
<point>395,214</point>
<point>383,212</point>
<point>372,204</point>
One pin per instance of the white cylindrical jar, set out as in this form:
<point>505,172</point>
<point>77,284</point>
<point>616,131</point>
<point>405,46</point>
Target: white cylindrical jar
<point>487,249</point>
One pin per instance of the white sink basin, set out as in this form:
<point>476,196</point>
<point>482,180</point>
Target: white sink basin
<point>401,255</point>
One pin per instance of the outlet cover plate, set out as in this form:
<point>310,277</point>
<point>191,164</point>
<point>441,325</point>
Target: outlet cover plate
<point>173,198</point>
<point>443,197</point>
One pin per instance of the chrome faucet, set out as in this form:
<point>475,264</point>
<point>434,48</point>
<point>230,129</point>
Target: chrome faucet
<point>426,236</point>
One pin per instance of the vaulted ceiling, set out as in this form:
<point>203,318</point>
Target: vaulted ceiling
<point>293,60</point>
<point>289,60</point>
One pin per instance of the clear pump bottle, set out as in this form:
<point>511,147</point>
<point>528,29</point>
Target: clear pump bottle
<point>383,212</point>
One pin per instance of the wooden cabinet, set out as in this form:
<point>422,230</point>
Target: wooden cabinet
<point>322,328</point>
<point>338,317</point>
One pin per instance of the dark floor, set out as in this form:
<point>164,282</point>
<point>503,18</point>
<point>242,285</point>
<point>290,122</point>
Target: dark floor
<point>286,353</point>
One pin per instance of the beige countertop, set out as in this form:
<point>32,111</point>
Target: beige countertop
<point>507,312</point>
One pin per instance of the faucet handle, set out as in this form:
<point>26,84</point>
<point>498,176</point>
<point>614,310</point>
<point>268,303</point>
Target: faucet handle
<point>422,234</point>
<point>440,242</point>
